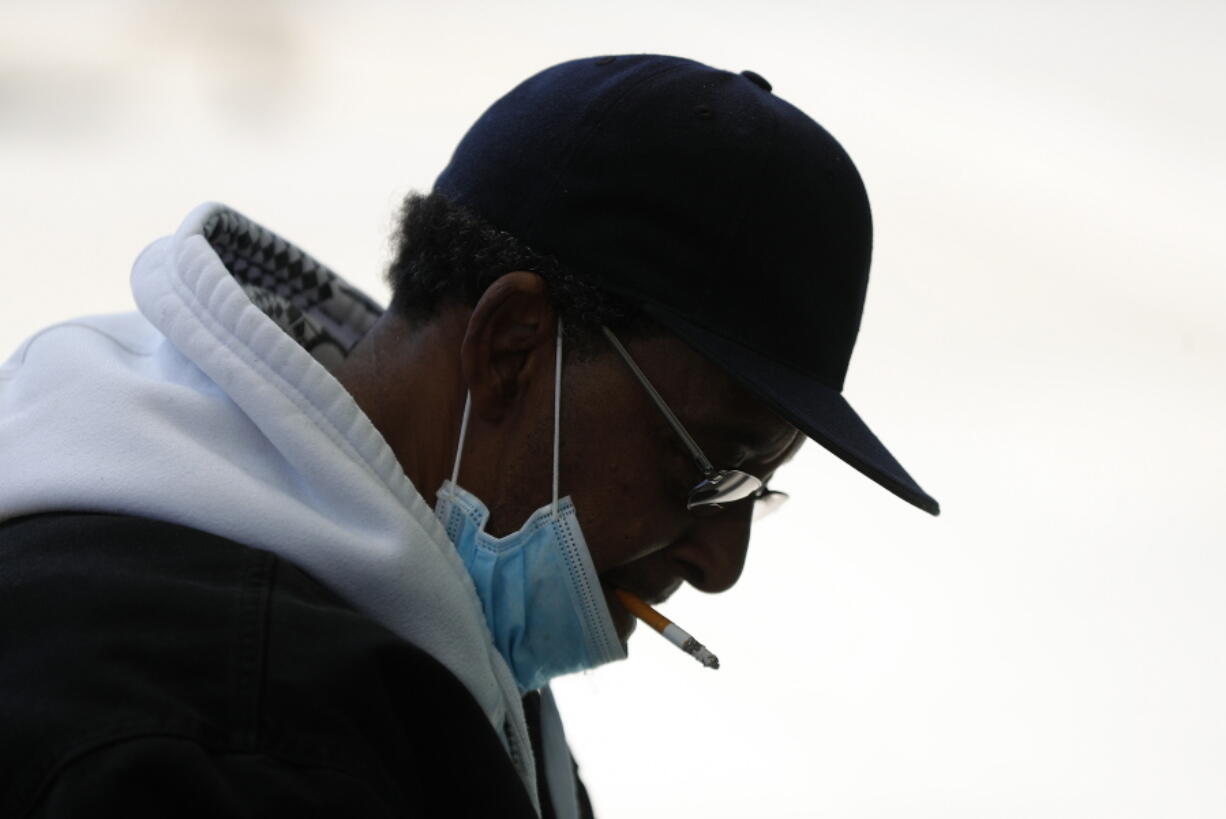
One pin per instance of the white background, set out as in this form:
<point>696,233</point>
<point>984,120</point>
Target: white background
<point>1042,348</point>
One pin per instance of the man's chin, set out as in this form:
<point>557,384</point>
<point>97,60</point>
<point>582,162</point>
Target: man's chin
<point>624,636</point>
<point>624,622</point>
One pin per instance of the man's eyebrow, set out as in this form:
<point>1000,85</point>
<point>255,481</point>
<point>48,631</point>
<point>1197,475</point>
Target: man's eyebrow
<point>747,436</point>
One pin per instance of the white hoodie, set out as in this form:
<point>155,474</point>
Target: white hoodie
<point>213,407</point>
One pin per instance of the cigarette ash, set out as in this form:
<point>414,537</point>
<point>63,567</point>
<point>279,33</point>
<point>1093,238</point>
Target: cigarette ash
<point>699,652</point>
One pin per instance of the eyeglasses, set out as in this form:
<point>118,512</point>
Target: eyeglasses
<point>718,487</point>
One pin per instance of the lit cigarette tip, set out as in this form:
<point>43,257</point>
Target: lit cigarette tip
<point>674,633</point>
<point>700,653</point>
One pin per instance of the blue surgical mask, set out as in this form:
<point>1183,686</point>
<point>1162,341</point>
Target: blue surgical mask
<point>537,586</point>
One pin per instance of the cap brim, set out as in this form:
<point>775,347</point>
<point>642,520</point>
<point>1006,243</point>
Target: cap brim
<point>816,410</point>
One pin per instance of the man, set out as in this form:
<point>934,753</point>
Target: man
<point>269,550</point>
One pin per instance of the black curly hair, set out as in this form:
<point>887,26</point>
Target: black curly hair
<point>445,253</point>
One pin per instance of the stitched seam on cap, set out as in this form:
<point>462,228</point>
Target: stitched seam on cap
<point>705,325</point>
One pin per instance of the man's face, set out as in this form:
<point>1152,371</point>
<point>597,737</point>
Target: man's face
<point>629,473</point>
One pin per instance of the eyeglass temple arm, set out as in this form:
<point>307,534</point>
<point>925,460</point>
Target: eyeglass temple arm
<point>701,459</point>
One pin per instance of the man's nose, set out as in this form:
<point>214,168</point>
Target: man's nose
<point>712,555</point>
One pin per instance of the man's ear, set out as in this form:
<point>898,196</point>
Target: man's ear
<point>509,342</point>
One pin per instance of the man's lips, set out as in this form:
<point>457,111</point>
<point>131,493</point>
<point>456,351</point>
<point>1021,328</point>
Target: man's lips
<point>656,597</point>
<point>623,620</point>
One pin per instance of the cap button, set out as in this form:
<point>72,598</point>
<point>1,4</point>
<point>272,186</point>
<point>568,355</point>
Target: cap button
<point>757,79</point>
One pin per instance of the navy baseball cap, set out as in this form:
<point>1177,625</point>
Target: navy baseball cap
<point>724,212</point>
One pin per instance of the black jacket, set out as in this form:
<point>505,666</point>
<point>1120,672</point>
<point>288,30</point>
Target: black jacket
<point>148,669</point>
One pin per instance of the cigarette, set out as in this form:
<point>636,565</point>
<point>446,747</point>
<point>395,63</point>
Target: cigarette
<point>675,634</point>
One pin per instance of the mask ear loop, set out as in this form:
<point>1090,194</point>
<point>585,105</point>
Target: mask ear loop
<point>557,417</point>
<point>459,447</point>
<point>557,411</point>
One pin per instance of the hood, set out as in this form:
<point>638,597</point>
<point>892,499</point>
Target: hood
<point>213,407</point>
